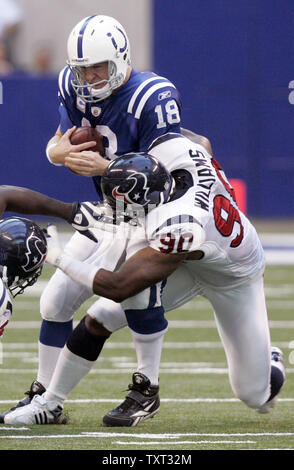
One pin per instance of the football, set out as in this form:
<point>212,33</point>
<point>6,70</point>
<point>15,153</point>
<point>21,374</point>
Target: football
<point>86,134</point>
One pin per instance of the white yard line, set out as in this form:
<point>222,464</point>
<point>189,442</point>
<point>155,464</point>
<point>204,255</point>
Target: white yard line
<point>30,325</point>
<point>163,400</point>
<point>154,443</point>
<point>172,370</point>
<point>129,345</point>
<point>110,435</point>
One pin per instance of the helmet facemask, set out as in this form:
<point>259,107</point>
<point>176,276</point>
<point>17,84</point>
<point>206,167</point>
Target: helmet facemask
<point>87,91</point>
<point>17,285</point>
<point>23,249</point>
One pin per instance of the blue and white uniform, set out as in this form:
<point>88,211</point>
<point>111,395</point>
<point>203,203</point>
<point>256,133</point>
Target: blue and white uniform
<point>146,107</point>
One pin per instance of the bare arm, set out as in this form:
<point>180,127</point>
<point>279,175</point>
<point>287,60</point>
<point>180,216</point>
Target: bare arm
<point>142,270</point>
<point>26,201</point>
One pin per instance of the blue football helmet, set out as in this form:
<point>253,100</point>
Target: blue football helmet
<point>23,249</point>
<point>138,180</point>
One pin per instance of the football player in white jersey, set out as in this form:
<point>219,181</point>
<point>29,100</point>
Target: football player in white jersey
<point>194,241</point>
<point>98,87</point>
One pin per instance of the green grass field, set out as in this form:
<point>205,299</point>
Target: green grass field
<point>198,409</point>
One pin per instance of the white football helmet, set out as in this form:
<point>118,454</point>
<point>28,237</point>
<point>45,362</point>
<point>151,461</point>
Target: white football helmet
<point>93,40</point>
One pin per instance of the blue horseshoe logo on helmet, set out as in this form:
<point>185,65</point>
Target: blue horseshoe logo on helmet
<point>121,49</point>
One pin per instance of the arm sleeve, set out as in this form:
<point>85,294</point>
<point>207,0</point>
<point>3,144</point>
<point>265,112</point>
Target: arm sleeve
<point>69,115</point>
<point>65,122</point>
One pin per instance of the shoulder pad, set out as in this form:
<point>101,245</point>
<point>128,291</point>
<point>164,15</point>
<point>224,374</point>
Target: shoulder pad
<point>64,83</point>
<point>154,88</point>
<point>178,234</point>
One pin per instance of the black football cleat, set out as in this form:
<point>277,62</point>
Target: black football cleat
<point>278,363</point>
<point>35,389</point>
<point>140,404</point>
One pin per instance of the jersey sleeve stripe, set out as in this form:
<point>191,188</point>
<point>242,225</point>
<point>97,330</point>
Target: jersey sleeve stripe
<point>60,82</point>
<point>178,219</point>
<point>147,95</point>
<point>138,91</point>
<point>66,81</point>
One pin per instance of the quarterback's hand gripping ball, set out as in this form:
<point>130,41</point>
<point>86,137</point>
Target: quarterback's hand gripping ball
<point>87,134</point>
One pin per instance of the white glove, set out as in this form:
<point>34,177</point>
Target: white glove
<point>53,245</point>
<point>87,215</point>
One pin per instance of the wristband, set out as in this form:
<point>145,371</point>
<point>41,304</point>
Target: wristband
<point>79,271</point>
<point>48,154</point>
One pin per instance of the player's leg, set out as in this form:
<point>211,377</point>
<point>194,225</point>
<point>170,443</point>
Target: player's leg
<point>75,360</point>
<point>145,317</point>
<point>241,316</point>
<point>63,297</point>
<point>59,301</point>
<point>79,354</point>
<point>84,346</point>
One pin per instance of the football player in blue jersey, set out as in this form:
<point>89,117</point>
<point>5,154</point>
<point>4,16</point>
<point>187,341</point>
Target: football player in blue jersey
<point>99,87</point>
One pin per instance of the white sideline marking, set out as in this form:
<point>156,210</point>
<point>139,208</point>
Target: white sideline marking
<point>10,428</point>
<point>136,443</point>
<point>146,436</point>
<point>187,434</point>
<point>202,370</point>
<point>15,325</point>
<point>129,345</point>
<point>163,400</point>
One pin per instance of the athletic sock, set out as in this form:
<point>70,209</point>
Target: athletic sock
<point>53,336</point>
<point>69,371</point>
<point>148,349</point>
<point>75,361</point>
<point>48,357</point>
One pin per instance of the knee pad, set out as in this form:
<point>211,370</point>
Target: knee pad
<point>147,321</point>
<point>61,298</point>
<point>110,314</point>
<point>84,344</point>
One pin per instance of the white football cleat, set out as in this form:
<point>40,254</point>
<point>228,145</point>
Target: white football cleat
<point>39,411</point>
<point>278,362</point>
